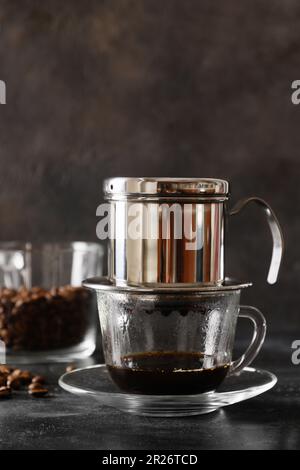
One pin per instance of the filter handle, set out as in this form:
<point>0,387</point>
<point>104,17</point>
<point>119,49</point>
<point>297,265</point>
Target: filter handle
<point>276,232</point>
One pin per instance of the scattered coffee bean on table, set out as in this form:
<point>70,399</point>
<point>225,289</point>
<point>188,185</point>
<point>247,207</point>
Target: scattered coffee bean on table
<point>25,377</point>
<point>38,379</point>
<point>38,391</point>
<point>2,380</point>
<point>13,382</point>
<point>34,385</point>
<point>15,373</point>
<point>14,379</point>
<point>5,370</point>
<point>5,392</point>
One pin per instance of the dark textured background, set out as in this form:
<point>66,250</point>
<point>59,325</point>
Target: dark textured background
<point>148,87</point>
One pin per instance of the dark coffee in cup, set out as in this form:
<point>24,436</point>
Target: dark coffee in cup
<point>173,341</point>
<point>167,373</point>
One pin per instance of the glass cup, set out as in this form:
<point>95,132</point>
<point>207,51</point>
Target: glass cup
<point>173,342</point>
<point>45,313</point>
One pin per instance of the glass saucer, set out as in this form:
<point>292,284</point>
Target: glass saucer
<point>95,382</point>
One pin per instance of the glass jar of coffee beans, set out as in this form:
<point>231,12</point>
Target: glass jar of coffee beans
<point>45,314</point>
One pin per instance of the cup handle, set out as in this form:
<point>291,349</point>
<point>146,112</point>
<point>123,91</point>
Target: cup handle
<point>258,338</point>
<point>276,231</point>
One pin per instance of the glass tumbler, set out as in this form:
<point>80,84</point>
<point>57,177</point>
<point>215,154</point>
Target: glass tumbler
<point>45,313</point>
<point>175,341</point>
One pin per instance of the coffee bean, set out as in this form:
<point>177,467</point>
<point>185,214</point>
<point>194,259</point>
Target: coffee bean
<point>38,290</point>
<point>13,382</point>
<point>36,297</point>
<point>38,379</point>
<point>4,335</point>
<point>6,302</point>
<point>70,367</point>
<point>35,386</point>
<point>54,291</point>
<point>5,392</point>
<point>25,376</point>
<point>38,392</point>
<point>23,294</point>
<point>2,380</point>
<point>16,373</point>
<point>5,370</point>
<point>8,292</point>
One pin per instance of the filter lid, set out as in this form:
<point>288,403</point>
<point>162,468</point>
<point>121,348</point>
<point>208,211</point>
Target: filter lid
<point>165,187</point>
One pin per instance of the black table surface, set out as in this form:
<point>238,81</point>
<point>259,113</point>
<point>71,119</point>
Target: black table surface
<point>66,421</point>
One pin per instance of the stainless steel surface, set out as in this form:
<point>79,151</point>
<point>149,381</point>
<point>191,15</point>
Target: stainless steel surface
<point>195,254</point>
<point>171,231</point>
<point>105,284</point>
<point>170,187</point>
